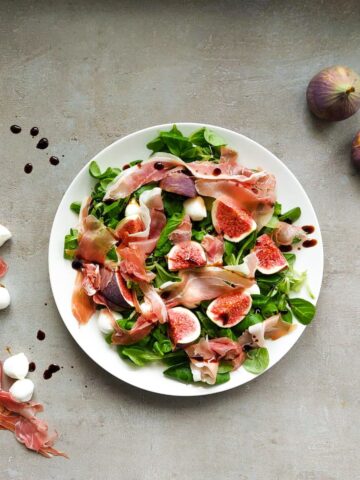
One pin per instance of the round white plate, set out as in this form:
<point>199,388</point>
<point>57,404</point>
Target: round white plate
<point>290,194</point>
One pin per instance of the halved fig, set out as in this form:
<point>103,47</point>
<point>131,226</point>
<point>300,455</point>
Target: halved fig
<point>228,310</point>
<point>187,254</point>
<point>184,326</point>
<point>270,258</point>
<point>232,222</point>
<point>128,225</point>
<point>117,294</point>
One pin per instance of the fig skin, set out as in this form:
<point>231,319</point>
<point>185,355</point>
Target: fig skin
<point>334,93</point>
<point>355,152</point>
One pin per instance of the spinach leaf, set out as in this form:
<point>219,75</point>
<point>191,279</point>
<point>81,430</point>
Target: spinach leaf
<point>71,244</point>
<point>277,209</point>
<point>109,174</point>
<point>112,255</point>
<point>135,162</point>
<point>245,246</point>
<point>290,258</point>
<point>173,203</point>
<point>207,326</point>
<point>251,319</point>
<point>138,355</point>
<point>269,309</point>
<point>303,310</point>
<point>163,276</point>
<point>164,245</point>
<point>202,228</point>
<point>75,207</point>
<point>257,360</point>
<point>225,367</point>
<point>287,316</point>
<point>162,347</point>
<point>213,138</point>
<point>259,300</point>
<point>291,215</point>
<point>222,378</point>
<point>175,358</point>
<point>180,372</point>
<point>227,332</point>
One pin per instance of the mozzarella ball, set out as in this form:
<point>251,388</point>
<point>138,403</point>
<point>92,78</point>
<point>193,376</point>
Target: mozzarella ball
<point>145,307</point>
<point>132,208</point>
<point>16,366</point>
<point>4,298</point>
<point>5,235</point>
<point>104,320</point>
<point>22,390</point>
<point>195,208</point>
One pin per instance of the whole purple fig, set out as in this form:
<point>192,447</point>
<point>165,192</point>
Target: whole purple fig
<point>355,151</point>
<point>334,93</point>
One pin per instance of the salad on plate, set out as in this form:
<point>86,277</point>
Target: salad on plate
<point>188,259</point>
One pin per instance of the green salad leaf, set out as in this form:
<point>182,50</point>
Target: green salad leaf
<point>109,174</point>
<point>164,245</point>
<point>257,360</point>
<point>75,207</point>
<point>291,215</point>
<point>181,372</point>
<point>163,275</point>
<point>138,355</point>
<point>71,244</point>
<point>303,310</point>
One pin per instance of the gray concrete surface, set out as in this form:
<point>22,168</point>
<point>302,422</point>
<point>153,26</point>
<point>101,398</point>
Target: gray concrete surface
<point>89,72</point>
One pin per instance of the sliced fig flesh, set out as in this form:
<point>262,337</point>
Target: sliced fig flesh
<point>270,259</point>
<point>117,294</point>
<point>228,310</point>
<point>232,222</point>
<point>184,326</point>
<point>187,254</point>
<point>127,226</point>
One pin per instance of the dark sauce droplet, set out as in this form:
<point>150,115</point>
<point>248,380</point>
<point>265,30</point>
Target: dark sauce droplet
<point>42,143</point>
<point>285,248</point>
<point>76,264</point>
<point>308,228</point>
<point>158,166</point>
<point>310,243</point>
<point>40,335</point>
<point>288,220</point>
<point>34,131</point>
<point>28,168</point>
<point>15,129</point>
<point>216,171</point>
<point>32,367</point>
<point>50,370</point>
<point>125,167</point>
<point>54,160</point>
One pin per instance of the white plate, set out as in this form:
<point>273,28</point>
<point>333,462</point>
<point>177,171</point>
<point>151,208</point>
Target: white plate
<point>251,154</point>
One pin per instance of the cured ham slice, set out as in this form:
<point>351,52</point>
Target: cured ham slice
<point>20,418</point>
<point>91,278</point>
<point>285,234</point>
<point>183,232</point>
<point>95,241</point>
<point>3,267</point>
<point>202,284</point>
<point>206,355</point>
<point>179,183</point>
<point>214,249</point>
<point>158,306</point>
<point>142,327</point>
<point>82,305</point>
<point>152,170</point>
<point>273,327</point>
<point>132,265</point>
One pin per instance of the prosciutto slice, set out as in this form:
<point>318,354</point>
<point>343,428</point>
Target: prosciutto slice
<point>95,240</point>
<point>20,418</point>
<point>132,265</point>
<point>273,327</point>
<point>142,327</point>
<point>135,177</point>
<point>202,284</point>
<point>158,306</point>
<point>183,232</point>
<point>214,249</point>
<point>3,267</point>
<point>91,281</point>
<point>82,305</point>
<point>285,234</point>
<point>206,355</point>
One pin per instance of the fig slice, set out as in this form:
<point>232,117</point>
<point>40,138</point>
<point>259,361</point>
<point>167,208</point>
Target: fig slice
<point>270,259</point>
<point>127,226</point>
<point>117,294</point>
<point>184,326</point>
<point>228,310</point>
<point>232,222</point>
<point>188,254</point>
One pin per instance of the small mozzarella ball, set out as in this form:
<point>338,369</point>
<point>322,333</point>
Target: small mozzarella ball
<point>4,298</point>
<point>132,208</point>
<point>145,307</point>
<point>195,208</point>
<point>5,235</point>
<point>22,390</point>
<point>104,320</point>
<point>16,366</point>
<point>254,289</point>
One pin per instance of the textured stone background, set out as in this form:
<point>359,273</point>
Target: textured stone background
<point>89,72</point>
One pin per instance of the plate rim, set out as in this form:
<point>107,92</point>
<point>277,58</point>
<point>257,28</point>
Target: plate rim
<point>191,392</point>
